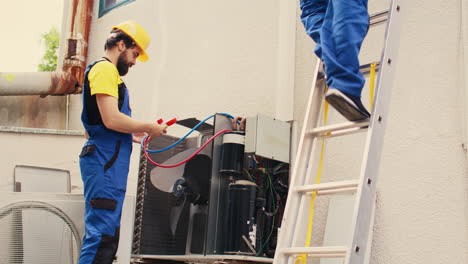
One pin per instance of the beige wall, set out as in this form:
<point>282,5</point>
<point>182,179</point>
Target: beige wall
<point>422,210</point>
<point>423,185</point>
<point>41,150</point>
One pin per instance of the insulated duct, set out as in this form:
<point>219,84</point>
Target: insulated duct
<point>37,83</point>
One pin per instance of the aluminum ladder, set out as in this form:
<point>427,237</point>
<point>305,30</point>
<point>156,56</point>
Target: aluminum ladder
<point>357,251</point>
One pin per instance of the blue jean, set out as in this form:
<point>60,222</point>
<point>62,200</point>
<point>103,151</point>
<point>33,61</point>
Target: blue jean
<point>338,27</point>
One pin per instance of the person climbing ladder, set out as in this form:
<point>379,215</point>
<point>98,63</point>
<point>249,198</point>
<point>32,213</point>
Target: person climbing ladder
<point>338,28</point>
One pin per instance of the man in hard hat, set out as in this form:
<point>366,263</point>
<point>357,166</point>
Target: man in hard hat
<point>105,157</point>
<point>338,29</point>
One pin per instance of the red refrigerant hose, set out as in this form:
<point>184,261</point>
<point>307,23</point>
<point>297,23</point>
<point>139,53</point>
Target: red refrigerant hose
<point>145,145</point>
<point>147,139</point>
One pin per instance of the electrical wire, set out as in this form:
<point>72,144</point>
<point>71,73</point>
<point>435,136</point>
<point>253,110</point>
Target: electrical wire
<point>248,174</point>
<point>267,239</point>
<point>274,208</point>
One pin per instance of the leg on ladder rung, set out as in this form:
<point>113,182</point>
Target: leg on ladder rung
<point>315,19</point>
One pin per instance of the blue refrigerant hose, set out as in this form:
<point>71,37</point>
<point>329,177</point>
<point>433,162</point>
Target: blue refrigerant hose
<point>184,137</point>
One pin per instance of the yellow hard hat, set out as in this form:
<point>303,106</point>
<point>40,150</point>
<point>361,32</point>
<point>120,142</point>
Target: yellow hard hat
<point>138,34</point>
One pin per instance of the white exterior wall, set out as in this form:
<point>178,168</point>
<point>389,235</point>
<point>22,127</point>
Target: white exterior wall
<point>422,207</point>
<point>41,150</point>
<point>219,56</point>
<point>422,212</point>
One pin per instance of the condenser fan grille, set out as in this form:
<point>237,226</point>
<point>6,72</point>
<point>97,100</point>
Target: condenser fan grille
<point>35,233</point>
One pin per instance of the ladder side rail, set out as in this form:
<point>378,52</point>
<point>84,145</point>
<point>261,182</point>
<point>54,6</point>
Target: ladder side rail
<point>299,227</point>
<point>369,170</point>
<point>311,117</point>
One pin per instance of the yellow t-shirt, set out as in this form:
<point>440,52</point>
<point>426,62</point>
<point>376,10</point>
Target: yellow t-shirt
<point>104,78</point>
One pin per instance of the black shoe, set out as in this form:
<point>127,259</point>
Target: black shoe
<point>349,106</point>
<point>321,72</point>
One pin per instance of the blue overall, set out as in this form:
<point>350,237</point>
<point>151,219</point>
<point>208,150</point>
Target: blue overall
<point>338,28</point>
<point>104,163</point>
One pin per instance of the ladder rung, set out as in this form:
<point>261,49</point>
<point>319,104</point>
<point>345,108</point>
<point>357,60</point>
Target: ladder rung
<point>344,190</point>
<point>346,128</point>
<point>323,252</point>
<point>330,187</point>
<point>366,68</point>
<point>378,18</point>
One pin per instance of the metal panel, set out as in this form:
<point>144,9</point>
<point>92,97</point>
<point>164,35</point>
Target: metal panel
<point>205,259</point>
<point>273,137</point>
<point>203,236</point>
<point>218,190</point>
<point>153,234</point>
<point>268,137</point>
<point>251,134</point>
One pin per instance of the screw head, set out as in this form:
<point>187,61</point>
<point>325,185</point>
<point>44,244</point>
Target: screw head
<point>356,249</point>
<point>398,8</point>
<point>389,61</point>
<point>369,181</point>
<point>380,119</point>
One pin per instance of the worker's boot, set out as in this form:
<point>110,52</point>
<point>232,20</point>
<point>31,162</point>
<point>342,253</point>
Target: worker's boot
<point>348,105</point>
<point>321,72</point>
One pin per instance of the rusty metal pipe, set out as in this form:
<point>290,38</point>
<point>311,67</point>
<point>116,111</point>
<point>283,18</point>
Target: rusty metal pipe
<point>77,40</point>
<point>37,83</point>
<point>69,81</point>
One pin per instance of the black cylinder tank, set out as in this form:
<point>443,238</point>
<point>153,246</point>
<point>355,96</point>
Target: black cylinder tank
<point>240,229</point>
<point>232,153</point>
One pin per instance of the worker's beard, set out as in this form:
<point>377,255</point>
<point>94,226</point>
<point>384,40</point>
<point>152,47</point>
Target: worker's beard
<point>122,64</point>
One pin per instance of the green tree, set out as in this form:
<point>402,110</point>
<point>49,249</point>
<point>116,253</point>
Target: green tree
<point>49,60</point>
